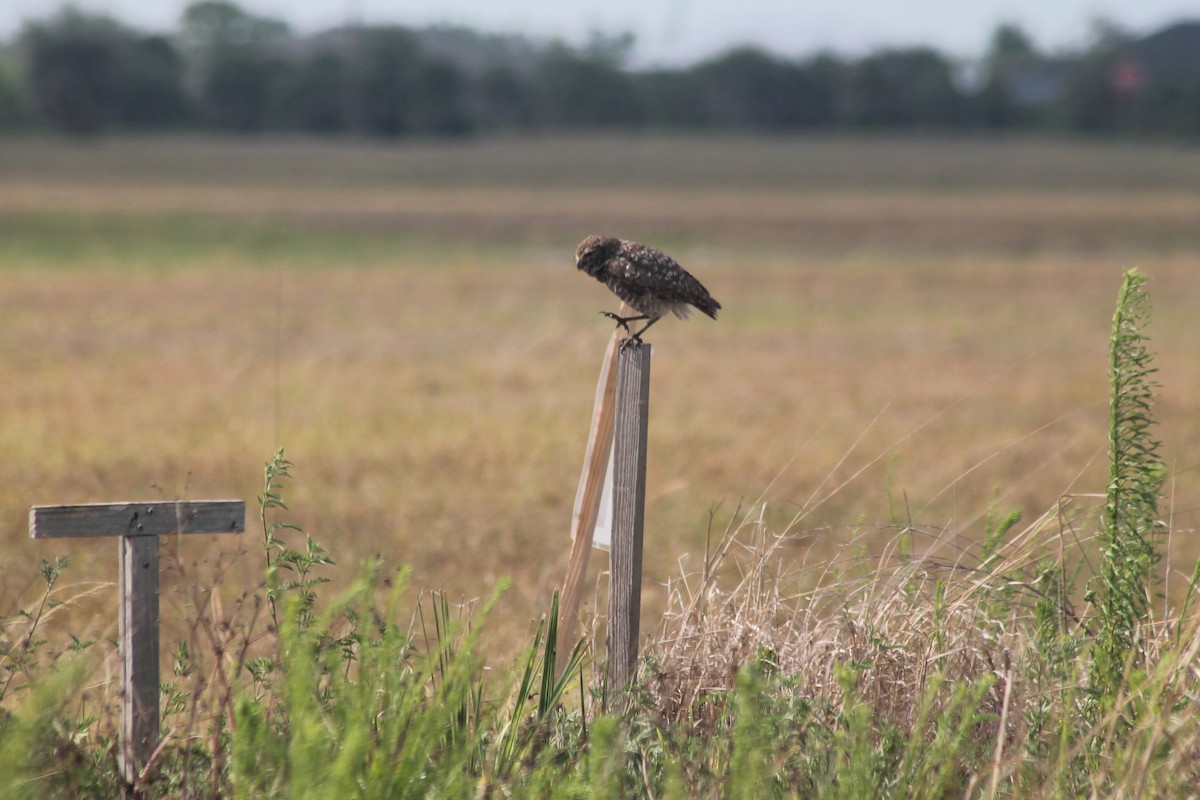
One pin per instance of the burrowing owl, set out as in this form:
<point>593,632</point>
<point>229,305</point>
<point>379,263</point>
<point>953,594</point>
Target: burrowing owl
<point>647,279</point>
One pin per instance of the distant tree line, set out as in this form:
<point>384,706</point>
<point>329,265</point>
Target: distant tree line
<point>227,69</point>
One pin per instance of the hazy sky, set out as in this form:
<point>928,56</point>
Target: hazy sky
<point>682,31</point>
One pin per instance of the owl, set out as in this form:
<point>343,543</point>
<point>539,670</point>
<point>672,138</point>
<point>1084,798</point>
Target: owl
<point>649,280</point>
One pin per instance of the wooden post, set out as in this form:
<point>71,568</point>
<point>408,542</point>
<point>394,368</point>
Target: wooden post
<point>587,496</point>
<point>629,502</point>
<point>139,525</point>
<point>138,631</point>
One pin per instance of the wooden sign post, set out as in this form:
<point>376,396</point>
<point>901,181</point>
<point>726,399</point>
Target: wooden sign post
<point>629,503</point>
<point>587,497</point>
<point>139,525</point>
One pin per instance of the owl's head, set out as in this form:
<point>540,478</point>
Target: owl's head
<point>593,253</point>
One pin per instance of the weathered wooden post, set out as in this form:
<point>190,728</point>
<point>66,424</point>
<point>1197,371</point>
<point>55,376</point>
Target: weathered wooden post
<point>139,525</point>
<point>629,502</point>
<point>587,501</point>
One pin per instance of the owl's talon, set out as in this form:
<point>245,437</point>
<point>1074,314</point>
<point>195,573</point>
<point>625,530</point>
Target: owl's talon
<point>621,321</point>
<point>631,341</point>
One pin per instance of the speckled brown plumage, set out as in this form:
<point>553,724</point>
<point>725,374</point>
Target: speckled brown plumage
<point>649,280</point>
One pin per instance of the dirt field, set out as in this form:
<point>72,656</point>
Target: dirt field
<point>911,329</point>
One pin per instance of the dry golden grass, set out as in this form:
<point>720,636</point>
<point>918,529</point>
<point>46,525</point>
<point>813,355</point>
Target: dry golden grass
<point>909,628</point>
<point>426,352</point>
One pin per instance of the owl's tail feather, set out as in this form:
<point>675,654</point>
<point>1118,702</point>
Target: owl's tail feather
<point>709,306</point>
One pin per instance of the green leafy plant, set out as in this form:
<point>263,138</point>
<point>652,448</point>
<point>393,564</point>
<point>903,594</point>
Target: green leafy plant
<point>21,638</point>
<point>1130,531</point>
<point>540,669</point>
<point>280,556</point>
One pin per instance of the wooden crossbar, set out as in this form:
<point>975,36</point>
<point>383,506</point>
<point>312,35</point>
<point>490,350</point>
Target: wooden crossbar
<point>137,519</point>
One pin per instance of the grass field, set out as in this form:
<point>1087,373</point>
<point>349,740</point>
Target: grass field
<point>911,327</point>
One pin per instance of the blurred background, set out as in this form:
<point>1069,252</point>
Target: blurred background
<point>355,69</point>
<point>350,234</point>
